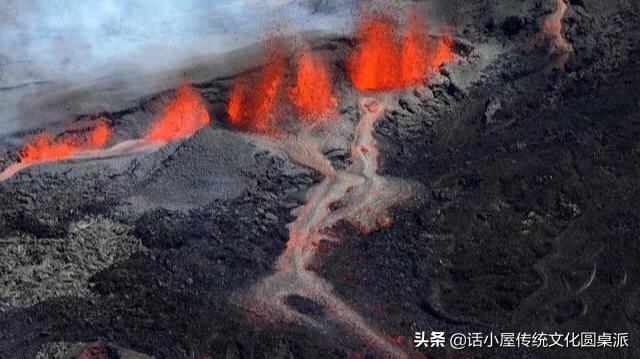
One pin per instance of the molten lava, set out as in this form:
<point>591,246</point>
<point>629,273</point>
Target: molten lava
<point>312,94</point>
<point>253,101</point>
<point>390,57</point>
<point>182,117</point>
<point>442,52</point>
<point>256,99</point>
<point>45,147</point>
<point>552,26</point>
<point>99,136</point>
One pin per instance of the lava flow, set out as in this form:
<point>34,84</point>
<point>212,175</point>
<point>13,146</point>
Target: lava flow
<point>365,198</point>
<point>385,59</point>
<point>388,57</point>
<point>46,148</point>
<point>553,29</point>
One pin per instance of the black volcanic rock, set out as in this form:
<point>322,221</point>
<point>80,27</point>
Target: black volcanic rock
<point>513,25</point>
<point>524,215</point>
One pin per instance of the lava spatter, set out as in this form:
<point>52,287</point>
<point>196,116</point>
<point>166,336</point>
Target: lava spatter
<point>312,93</point>
<point>45,147</point>
<point>393,55</point>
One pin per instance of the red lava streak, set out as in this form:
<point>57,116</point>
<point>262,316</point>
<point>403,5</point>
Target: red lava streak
<point>312,94</point>
<point>391,57</point>
<point>182,117</point>
<point>45,147</point>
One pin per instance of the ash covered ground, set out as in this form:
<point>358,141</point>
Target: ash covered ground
<point>525,216</point>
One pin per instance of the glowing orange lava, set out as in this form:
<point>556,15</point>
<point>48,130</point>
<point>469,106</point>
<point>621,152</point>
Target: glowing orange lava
<point>257,99</point>
<point>45,147</point>
<point>182,117</point>
<point>99,136</point>
<point>312,94</point>
<point>390,57</point>
<point>254,98</point>
<point>442,53</point>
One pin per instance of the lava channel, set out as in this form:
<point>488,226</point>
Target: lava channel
<point>366,197</point>
<point>312,94</point>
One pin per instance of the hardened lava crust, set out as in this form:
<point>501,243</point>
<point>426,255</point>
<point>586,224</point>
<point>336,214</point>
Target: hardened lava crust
<point>524,213</point>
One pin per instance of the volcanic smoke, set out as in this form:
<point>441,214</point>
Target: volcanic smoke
<point>390,56</point>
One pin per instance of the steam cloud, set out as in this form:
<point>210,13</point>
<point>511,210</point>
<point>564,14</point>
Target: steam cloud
<point>69,40</point>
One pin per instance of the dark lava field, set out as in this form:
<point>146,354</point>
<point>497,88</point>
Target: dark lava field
<point>524,214</point>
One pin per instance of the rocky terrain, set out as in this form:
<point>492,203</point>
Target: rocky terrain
<point>525,216</point>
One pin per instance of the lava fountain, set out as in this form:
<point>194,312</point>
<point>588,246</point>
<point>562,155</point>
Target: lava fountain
<point>365,197</point>
<point>253,101</point>
<point>45,147</point>
<point>257,99</point>
<point>180,118</point>
<point>312,94</point>
<point>388,58</point>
